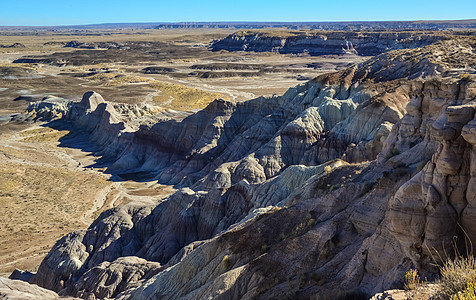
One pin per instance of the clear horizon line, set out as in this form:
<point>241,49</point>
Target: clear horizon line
<point>237,22</point>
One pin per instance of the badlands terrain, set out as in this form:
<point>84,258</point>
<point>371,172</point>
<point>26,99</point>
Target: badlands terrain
<point>215,163</point>
<point>172,71</point>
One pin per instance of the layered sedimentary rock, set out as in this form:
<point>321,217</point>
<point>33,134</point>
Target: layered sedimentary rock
<point>356,25</point>
<point>277,199</point>
<point>339,238</point>
<point>107,279</point>
<point>20,290</point>
<point>325,42</point>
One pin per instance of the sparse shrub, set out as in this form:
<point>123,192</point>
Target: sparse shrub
<point>401,165</point>
<point>227,261</point>
<point>421,165</point>
<point>316,278</point>
<point>457,275</point>
<point>301,280</point>
<point>468,294</point>
<point>311,222</point>
<point>368,185</point>
<point>327,169</point>
<point>290,283</point>
<point>395,151</point>
<point>264,248</point>
<point>324,254</point>
<point>334,187</point>
<point>412,279</point>
<point>392,153</point>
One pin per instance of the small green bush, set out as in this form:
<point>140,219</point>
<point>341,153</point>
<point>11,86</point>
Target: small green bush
<point>311,222</point>
<point>264,248</point>
<point>421,165</point>
<point>227,261</point>
<point>324,254</point>
<point>468,294</point>
<point>368,185</point>
<point>392,153</point>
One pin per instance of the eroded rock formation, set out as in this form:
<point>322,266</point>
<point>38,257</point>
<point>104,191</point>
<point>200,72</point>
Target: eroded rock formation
<point>20,290</point>
<point>325,42</point>
<point>278,196</point>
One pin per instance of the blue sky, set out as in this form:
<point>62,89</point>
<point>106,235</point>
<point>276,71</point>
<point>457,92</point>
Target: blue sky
<point>47,12</point>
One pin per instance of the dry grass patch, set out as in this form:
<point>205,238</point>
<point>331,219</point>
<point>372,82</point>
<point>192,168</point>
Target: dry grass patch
<point>43,135</point>
<point>457,281</point>
<point>95,66</point>
<point>180,97</point>
<point>102,76</point>
<point>39,204</point>
<point>28,154</point>
<point>29,132</point>
<point>458,276</point>
<point>20,65</point>
<point>173,96</point>
<point>127,79</point>
<point>117,79</point>
<point>469,293</point>
<point>8,185</point>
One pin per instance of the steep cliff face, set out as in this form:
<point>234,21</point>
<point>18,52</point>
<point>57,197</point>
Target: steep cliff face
<point>325,42</point>
<point>365,234</point>
<point>435,205</point>
<point>277,201</point>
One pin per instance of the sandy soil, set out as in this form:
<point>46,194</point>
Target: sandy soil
<point>47,191</point>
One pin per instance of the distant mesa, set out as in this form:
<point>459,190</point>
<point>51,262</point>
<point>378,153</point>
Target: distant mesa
<point>158,70</point>
<point>348,26</point>
<point>55,43</point>
<point>15,45</point>
<point>96,45</point>
<point>325,42</point>
<point>73,44</point>
<point>352,26</point>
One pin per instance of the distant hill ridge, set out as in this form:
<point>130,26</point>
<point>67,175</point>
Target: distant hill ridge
<point>351,25</point>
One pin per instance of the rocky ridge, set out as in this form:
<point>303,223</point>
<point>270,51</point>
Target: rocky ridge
<point>20,290</point>
<point>326,42</point>
<point>368,25</point>
<point>278,198</point>
<point>14,45</point>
